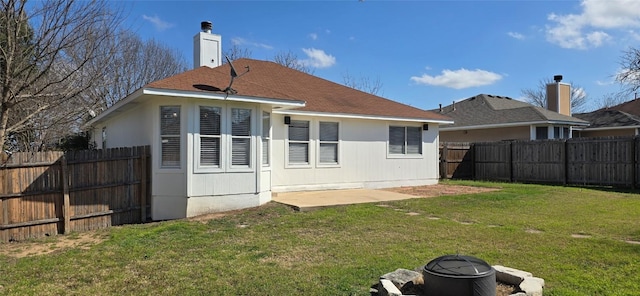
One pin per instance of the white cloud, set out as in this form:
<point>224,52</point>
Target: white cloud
<point>242,41</point>
<point>317,58</point>
<point>578,92</point>
<point>516,35</point>
<point>459,79</point>
<point>313,36</point>
<point>597,38</point>
<point>585,30</point>
<point>604,83</point>
<point>157,22</point>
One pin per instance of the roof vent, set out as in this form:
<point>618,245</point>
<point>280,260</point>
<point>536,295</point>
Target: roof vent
<point>557,78</point>
<point>206,26</point>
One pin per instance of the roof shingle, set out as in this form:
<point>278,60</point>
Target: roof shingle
<point>486,109</point>
<point>270,80</point>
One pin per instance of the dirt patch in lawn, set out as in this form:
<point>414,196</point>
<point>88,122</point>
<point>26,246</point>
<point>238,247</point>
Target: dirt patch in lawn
<point>440,190</point>
<point>49,245</point>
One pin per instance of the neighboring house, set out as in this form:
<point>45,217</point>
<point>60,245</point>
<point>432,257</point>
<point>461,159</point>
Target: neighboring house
<point>485,118</point>
<point>276,130</point>
<point>619,120</point>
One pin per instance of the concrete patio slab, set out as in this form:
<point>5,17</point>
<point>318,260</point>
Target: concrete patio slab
<point>310,200</point>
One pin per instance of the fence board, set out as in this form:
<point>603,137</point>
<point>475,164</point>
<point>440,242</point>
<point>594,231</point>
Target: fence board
<point>50,192</point>
<point>492,161</point>
<point>603,161</point>
<point>456,160</point>
<point>538,161</point>
<point>612,161</point>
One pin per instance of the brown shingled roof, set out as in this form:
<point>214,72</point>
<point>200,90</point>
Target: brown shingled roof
<point>273,81</point>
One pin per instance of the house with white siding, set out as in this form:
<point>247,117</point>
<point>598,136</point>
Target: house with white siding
<point>218,146</point>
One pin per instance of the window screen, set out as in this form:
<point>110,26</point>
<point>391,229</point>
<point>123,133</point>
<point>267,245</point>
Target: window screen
<point>210,136</point>
<point>329,142</point>
<point>299,142</point>
<point>170,136</point>
<point>405,140</point>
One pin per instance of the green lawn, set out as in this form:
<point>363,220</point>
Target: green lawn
<point>343,250</point>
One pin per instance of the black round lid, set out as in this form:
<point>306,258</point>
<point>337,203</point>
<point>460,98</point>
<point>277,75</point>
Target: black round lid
<point>458,265</point>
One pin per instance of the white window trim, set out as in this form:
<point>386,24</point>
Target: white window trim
<point>266,166</point>
<point>163,168</point>
<point>551,132</point>
<point>287,163</point>
<point>339,142</point>
<point>199,168</point>
<point>390,155</point>
<point>251,137</point>
<point>225,141</point>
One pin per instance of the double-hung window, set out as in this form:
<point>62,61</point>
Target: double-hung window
<point>210,136</point>
<point>299,142</point>
<point>266,127</point>
<point>240,137</point>
<point>328,143</point>
<point>405,140</point>
<point>170,136</point>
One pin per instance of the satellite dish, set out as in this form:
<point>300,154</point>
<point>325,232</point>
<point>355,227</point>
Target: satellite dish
<point>234,74</point>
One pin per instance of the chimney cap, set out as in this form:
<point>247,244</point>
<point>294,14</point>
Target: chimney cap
<point>206,26</point>
<point>557,78</point>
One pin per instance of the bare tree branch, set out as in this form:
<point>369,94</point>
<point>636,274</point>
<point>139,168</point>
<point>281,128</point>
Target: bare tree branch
<point>364,83</point>
<point>46,53</point>
<point>60,59</point>
<point>236,52</point>
<point>538,96</point>
<point>290,60</point>
<point>629,77</point>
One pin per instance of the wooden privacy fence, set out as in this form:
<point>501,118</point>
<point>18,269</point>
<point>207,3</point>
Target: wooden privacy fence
<point>455,161</point>
<point>579,161</point>
<point>48,193</point>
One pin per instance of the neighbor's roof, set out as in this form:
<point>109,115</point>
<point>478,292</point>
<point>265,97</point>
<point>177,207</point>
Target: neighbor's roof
<point>490,110</point>
<point>604,118</point>
<point>270,80</point>
<point>631,107</point>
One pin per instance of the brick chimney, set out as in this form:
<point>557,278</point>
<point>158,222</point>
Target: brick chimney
<point>207,47</point>
<point>559,96</point>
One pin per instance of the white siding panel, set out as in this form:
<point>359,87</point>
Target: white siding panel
<point>363,163</point>
<point>204,184</point>
<point>128,129</point>
<point>199,205</point>
<point>168,207</point>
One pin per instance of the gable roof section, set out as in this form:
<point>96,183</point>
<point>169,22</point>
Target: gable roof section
<point>630,107</point>
<point>607,118</point>
<point>495,111</point>
<point>270,80</point>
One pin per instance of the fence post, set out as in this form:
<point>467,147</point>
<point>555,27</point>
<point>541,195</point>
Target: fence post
<point>143,185</point>
<point>443,161</point>
<point>565,155</point>
<point>66,207</point>
<point>472,150</point>
<point>634,161</point>
<point>510,160</point>
<point>4,212</point>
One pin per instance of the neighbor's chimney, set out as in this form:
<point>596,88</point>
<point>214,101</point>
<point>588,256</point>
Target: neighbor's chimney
<point>559,96</point>
<point>207,47</point>
<point>440,107</point>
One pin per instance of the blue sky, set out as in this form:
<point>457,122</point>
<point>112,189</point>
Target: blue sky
<point>424,52</point>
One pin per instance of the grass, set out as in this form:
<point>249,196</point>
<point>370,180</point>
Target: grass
<point>272,250</point>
